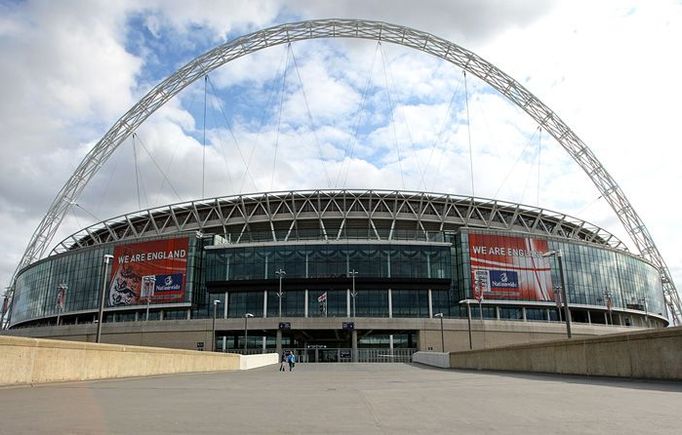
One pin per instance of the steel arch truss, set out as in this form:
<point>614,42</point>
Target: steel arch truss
<point>370,30</point>
<point>333,215</point>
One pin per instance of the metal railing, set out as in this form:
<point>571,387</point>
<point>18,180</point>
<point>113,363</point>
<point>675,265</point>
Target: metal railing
<point>340,355</point>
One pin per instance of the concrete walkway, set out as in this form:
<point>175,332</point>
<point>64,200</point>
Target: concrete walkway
<point>345,398</point>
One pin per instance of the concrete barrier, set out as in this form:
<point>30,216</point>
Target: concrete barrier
<point>435,359</point>
<point>34,361</point>
<point>645,354</point>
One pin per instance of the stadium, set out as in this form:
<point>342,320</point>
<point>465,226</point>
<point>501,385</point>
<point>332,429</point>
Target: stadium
<point>356,270</point>
<point>340,275</point>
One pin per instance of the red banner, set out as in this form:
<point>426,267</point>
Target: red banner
<point>508,267</point>
<point>160,264</point>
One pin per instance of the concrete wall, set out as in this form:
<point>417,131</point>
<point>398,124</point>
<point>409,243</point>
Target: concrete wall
<point>32,361</point>
<point>644,354</point>
<point>496,333</point>
<point>185,334</point>
<point>435,359</point>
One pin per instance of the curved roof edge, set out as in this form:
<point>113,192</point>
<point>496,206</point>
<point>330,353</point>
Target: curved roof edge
<point>426,209</point>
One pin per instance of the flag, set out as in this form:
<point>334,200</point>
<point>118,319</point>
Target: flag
<point>322,300</point>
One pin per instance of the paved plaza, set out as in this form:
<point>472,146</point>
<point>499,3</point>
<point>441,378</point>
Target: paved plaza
<point>345,398</point>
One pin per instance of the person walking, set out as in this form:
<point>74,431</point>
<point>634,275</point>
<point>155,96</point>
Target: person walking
<point>283,361</point>
<point>291,359</point>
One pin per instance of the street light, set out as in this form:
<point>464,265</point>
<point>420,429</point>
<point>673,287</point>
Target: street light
<point>107,261</point>
<point>442,337</point>
<point>148,284</point>
<point>468,301</point>
<point>353,293</point>
<point>564,294</point>
<point>246,330</point>
<point>281,274</point>
<point>216,302</point>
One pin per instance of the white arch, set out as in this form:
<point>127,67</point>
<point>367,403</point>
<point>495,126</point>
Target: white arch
<point>371,30</point>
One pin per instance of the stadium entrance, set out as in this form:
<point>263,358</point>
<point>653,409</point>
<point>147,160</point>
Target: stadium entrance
<point>325,345</point>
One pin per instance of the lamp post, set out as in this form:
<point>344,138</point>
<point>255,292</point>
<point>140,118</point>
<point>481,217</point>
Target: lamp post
<point>442,336</point>
<point>216,302</point>
<point>468,301</point>
<point>148,283</point>
<point>107,261</point>
<point>564,294</point>
<point>246,330</point>
<point>281,274</point>
<point>353,293</point>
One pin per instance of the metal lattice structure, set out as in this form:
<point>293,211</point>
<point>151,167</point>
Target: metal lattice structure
<point>337,214</point>
<point>369,30</point>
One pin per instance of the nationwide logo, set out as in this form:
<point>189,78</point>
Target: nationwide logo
<point>165,283</point>
<point>504,279</point>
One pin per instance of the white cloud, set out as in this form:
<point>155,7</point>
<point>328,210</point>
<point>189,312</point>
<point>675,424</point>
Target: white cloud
<point>611,74</point>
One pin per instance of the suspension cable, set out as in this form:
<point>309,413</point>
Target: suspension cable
<point>356,126</point>
<point>234,139</point>
<point>271,97</point>
<point>158,167</point>
<point>279,120</point>
<point>513,167</point>
<point>310,116</point>
<point>137,175</point>
<point>437,139</point>
<point>471,158</point>
<point>203,153</point>
<point>537,202</point>
<point>391,109</point>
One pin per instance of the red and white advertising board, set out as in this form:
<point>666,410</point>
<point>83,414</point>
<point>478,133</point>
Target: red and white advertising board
<point>161,263</point>
<point>510,267</point>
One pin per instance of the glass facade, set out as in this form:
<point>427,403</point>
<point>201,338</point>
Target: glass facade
<point>329,260</point>
<point>82,273</point>
<point>593,275</point>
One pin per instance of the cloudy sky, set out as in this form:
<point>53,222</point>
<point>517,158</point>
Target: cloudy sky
<point>338,114</point>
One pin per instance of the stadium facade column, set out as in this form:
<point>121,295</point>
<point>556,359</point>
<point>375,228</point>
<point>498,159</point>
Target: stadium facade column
<point>430,302</point>
<point>305,305</point>
<point>354,344</point>
<point>390,304</point>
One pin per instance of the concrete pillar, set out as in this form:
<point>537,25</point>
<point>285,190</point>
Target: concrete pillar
<point>278,342</point>
<point>523,310</point>
<point>265,343</point>
<point>390,343</point>
<point>265,302</point>
<point>430,301</point>
<point>354,344</point>
<point>589,317</point>
<point>347,302</point>
<point>224,344</point>
<point>390,304</point>
<point>227,300</point>
<point>305,305</point>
